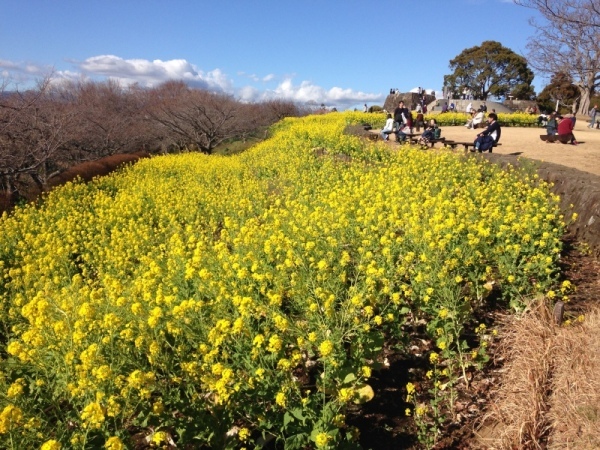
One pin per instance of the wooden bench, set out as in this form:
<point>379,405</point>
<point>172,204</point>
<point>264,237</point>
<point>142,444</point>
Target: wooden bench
<point>466,145</point>
<point>565,139</point>
<point>409,137</point>
<point>431,142</point>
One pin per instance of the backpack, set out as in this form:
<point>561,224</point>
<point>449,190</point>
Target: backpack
<point>437,133</point>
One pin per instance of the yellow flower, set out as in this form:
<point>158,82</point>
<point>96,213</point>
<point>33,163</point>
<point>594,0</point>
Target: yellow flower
<point>346,395</point>
<point>280,399</point>
<point>159,437</point>
<point>365,371</point>
<point>158,407</point>
<point>93,415</point>
<point>275,344</point>
<point>326,348</point>
<point>51,445</point>
<point>16,388</point>
<point>321,440</point>
<point>243,434</point>
<point>10,418</point>
<point>114,443</point>
<point>420,410</point>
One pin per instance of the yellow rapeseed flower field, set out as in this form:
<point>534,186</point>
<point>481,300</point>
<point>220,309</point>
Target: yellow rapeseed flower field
<point>197,296</point>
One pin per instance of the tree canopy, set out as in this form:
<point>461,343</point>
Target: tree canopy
<point>490,69</point>
<point>560,92</point>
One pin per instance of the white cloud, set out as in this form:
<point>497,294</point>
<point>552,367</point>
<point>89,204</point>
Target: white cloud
<point>307,92</point>
<point>152,73</point>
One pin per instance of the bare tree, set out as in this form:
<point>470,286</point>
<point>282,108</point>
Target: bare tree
<point>195,118</point>
<point>109,120</point>
<point>568,41</point>
<point>33,128</point>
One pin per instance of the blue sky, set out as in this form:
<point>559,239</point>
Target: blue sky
<point>340,53</point>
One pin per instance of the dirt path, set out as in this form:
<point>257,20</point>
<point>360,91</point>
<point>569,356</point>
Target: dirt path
<point>526,142</point>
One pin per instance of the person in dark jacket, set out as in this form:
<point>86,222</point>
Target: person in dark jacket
<point>490,136</point>
<point>551,125</point>
<point>401,119</point>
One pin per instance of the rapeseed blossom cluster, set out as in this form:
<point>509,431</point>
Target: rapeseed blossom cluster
<point>251,291</point>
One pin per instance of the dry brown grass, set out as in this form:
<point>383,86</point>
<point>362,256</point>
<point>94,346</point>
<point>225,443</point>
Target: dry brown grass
<point>549,394</point>
<point>574,413</point>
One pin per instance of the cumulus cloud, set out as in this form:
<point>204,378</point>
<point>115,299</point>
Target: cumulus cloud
<point>152,73</point>
<point>307,92</point>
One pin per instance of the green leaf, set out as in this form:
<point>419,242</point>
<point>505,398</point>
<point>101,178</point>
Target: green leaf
<point>287,418</point>
<point>297,413</point>
<point>349,378</point>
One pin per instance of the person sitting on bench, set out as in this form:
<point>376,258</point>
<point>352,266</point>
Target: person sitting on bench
<point>565,129</point>
<point>429,133</point>
<point>490,136</point>
<point>551,125</point>
<point>388,128</point>
<point>476,119</point>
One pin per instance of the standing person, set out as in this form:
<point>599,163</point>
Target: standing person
<point>388,128</point>
<point>400,115</point>
<point>593,112</point>
<point>565,128</point>
<point>365,109</point>
<point>490,136</point>
<point>469,108</point>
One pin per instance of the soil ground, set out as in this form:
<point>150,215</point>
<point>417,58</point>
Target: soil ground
<point>526,142</point>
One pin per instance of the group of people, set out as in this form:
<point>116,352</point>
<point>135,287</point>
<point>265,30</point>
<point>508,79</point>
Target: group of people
<point>476,118</point>
<point>401,122</point>
<point>531,110</point>
<point>562,126</point>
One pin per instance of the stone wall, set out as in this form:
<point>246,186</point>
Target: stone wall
<point>410,100</point>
